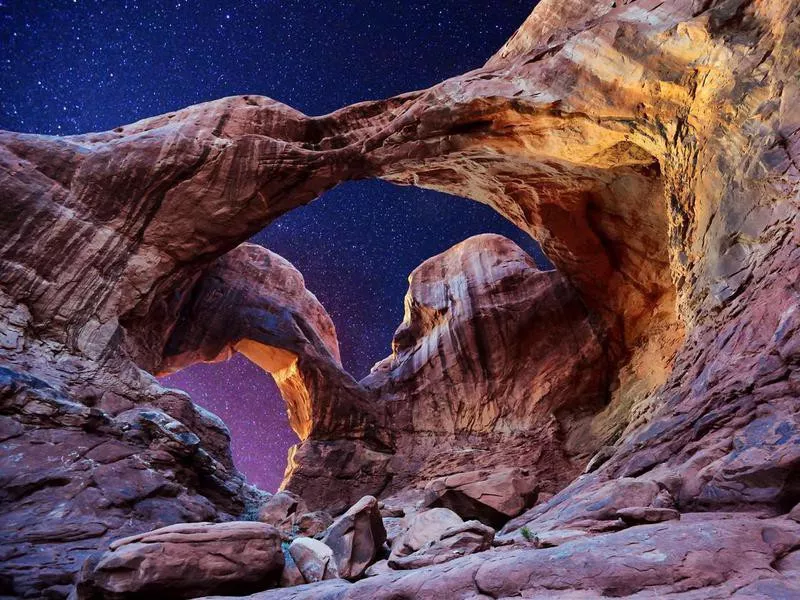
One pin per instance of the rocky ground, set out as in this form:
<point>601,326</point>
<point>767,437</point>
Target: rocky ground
<point>626,425</point>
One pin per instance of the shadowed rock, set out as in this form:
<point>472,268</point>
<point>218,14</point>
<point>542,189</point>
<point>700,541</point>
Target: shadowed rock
<point>314,559</point>
<point>492,498</point>
<point>454,542</point>
<point>184,560</point>
<point>356,538</point>
<point>424,528</point>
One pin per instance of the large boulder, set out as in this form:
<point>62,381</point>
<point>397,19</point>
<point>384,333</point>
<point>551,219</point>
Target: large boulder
<point>280,510</point>
<point>312,524</point>
<point>423,528</point>
<point>467,538</point>
<point>356,538</point>
<point>593,505</point>
<point>313,559</point>
<point>490,497</point>
<point>185,561</point>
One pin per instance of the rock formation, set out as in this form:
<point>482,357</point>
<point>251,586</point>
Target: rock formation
<point>436,536</point>
<point>492,497</point>
<point>494,361</point>
<point>653,148</point>
<point>356,538</point>
<point>314,560</point>
<point>186,560</point>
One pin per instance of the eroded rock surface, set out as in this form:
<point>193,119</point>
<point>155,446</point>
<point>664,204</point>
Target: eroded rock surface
<point>186,559</point>
<point>356,538</point>
<point>424,528</point>
<point>652,148</point>
<point>703,557</point>
<point>73,477</point>
<point>454,542</point>
<point>313,559</point>
<point>496,364</point>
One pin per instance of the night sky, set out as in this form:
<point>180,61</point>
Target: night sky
<point>72,66</point>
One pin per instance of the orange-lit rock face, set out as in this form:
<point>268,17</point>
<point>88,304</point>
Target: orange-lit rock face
<point>653,149</point>
<point>255,302</point>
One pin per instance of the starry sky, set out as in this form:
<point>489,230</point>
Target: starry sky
<point>71,66</point>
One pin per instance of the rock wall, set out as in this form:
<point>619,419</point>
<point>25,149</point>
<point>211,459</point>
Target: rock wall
<point>651,147</point>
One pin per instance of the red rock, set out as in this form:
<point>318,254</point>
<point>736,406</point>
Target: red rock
<point>395,527</point>
<point>181,561</point>
<point>356,538</point>
<point>423,528</point>
<point>795,513</point>
<point>556,537</point>
<point>488,348</point>
<point>255,302</point>
<point>490,497</point>
<point>280,510</point>
<point>391,511</point>
<point>638,515</point>
<point>461,540</point>
<point>314,559</point>
<point>313,523</point>
<point>700,556</point>
<point>333,475</point>
<point>380,567</point>
<point>651,147</point>
<point>291,575</point>
<point>82,478</point>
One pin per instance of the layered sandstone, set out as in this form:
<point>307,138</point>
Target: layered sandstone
<point>652,148</point>
<point>495,364</point>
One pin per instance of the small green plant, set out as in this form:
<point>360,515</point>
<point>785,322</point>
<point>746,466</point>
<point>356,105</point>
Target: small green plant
<point>526,533</point>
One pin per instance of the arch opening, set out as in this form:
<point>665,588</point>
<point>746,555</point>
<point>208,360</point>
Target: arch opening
<point>247,399</point>
<point>338,262</point>
<point>357,261</point>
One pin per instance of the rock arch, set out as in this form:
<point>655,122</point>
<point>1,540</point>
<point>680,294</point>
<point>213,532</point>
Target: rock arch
<point>254,302</point>
<point>651,147</point>
<point>600,168</point>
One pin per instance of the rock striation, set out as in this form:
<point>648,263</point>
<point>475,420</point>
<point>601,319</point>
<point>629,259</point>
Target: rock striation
<point>314,560</point>
<point>652,148</point>
<point>74,477</point>
<point>494,361</point>
<point>234,557</point>
<point>356,538</point>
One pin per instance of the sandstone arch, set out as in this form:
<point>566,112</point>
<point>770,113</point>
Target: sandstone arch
<point>651,147</point>
<point>254,302</point>
<point>579,137</point>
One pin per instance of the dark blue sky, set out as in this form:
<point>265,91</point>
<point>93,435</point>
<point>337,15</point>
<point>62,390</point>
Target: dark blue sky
<point>75,66</point>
